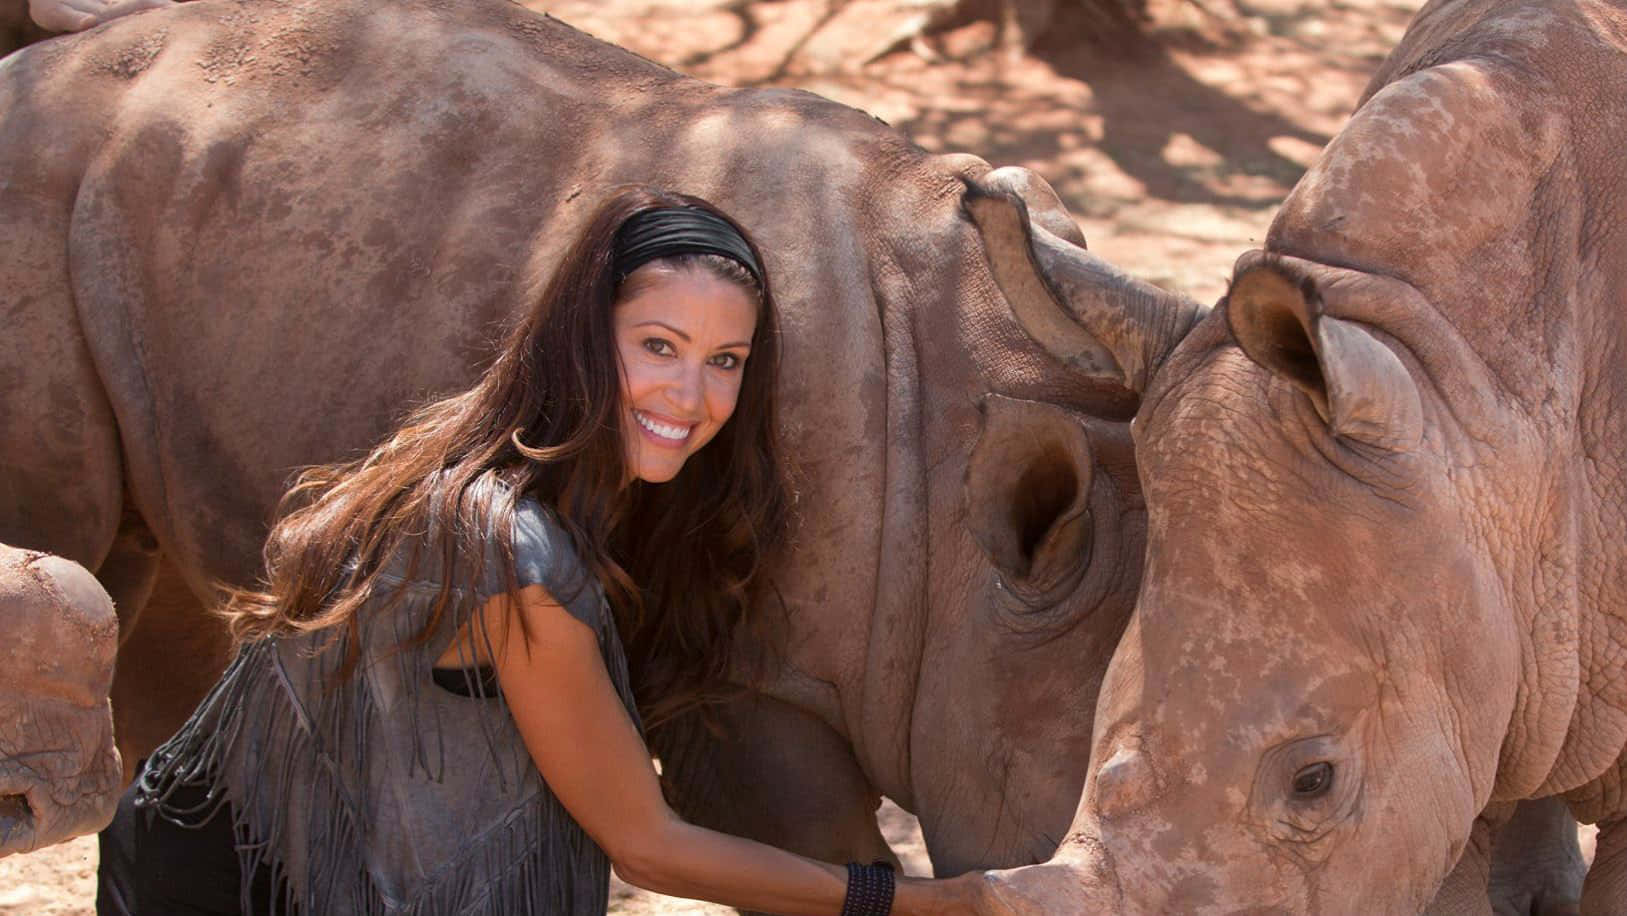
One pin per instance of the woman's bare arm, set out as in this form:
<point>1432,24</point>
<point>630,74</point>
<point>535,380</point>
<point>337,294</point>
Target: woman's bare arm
<point>595,762</point>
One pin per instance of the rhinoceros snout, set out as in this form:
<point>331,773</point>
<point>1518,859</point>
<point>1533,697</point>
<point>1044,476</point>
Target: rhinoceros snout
<point>48,796</point>
<point>59,770</point>
<point>1078,879</point>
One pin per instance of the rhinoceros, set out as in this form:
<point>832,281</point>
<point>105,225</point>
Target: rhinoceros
<point>209,289</point>
<point>58,633</point>
<point>241,238</point>
<point>1385,590</point>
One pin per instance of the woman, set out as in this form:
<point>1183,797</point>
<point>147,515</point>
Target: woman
<point>430,711</point>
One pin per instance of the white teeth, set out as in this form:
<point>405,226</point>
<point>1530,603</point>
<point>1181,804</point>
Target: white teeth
<point>664,430</point>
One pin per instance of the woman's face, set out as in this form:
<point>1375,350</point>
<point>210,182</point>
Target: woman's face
<point>683,336</point>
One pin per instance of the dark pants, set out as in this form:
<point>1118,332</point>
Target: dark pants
<point>151,866</point>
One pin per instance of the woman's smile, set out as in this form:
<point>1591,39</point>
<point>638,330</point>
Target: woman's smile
<point>663,432</point>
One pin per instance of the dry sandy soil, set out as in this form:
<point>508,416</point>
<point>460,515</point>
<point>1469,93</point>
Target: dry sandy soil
<point>1173,157</point>
<point>61,881</point>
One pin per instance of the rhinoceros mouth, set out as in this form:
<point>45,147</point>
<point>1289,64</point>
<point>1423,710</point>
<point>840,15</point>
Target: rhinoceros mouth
<point>16,819</point>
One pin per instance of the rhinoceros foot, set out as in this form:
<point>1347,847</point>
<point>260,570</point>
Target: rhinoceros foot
<point>59,770</point>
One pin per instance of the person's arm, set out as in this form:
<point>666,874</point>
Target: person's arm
<point>596,764</point>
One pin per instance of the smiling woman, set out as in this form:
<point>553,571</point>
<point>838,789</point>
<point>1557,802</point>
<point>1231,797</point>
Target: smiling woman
<point>683,332</point>
<point>431,710</point>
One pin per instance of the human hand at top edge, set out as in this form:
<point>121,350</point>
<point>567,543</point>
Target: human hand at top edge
<point>78,15</point>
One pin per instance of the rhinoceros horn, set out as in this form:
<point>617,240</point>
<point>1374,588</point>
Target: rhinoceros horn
<point>1088,313</point>
<point>1359,386</point>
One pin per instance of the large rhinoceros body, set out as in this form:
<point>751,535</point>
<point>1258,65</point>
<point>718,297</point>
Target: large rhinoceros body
<point>241,238</point>
<point>1385,587</point>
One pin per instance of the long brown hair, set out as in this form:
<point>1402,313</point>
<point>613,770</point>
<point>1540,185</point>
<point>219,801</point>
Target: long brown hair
<point>678,560</point>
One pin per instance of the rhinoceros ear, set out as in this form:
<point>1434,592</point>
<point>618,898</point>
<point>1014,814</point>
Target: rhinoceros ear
<point>1027,494</point>
<point>1358,384</point>
<point>1045,208</point>
<point>1085,311</point>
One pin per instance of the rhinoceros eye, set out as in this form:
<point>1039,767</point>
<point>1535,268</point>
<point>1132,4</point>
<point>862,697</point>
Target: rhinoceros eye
<point>1313,781</point>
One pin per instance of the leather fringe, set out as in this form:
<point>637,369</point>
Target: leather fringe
<point>266,757</point>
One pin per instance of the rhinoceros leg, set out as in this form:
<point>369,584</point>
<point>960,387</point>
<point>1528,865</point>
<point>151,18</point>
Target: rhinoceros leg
<point>1537,866</point>
<point>61,494</point>
<point>167,662</point>
<point>775,774</point>
<point>1606,891</point>
<point>60,487</point>
<point>1522,860</point>
<point>130,569</point>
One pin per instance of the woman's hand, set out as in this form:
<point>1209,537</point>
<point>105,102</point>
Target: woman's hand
<point>967,895</point>
<point>78,15</point>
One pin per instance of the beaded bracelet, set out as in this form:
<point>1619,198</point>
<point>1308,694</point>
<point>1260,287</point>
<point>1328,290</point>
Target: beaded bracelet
<point>869,890</point>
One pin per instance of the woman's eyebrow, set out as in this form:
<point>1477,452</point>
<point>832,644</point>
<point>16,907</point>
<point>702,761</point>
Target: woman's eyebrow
<point>663,324</point>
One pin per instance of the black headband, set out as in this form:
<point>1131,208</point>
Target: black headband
<point>655,234</point>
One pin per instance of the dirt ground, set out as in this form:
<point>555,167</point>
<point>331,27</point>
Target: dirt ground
<point>61,881</point>
<point>1173,158</point>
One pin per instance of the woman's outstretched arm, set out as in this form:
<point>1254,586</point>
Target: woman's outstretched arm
<point>594,761</point>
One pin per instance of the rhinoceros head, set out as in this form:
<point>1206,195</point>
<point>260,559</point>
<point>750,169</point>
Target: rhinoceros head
<point>1035,554</point>
<point>58,634</point>
<point>1304,714</point>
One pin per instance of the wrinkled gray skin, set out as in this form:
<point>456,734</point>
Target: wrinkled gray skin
<point>1386,501</point>
<point>242,238</point>
<point>58,634</point>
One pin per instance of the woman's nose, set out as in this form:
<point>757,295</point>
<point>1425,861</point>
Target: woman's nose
<point>688,390</point>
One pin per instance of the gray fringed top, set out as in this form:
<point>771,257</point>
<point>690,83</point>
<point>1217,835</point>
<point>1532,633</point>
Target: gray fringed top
<point>388,794</point>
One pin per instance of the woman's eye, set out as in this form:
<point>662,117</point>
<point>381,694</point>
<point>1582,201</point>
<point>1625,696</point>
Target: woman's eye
<point>726,361</point>
<point>658,346</point>
<point>1313,781</point>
